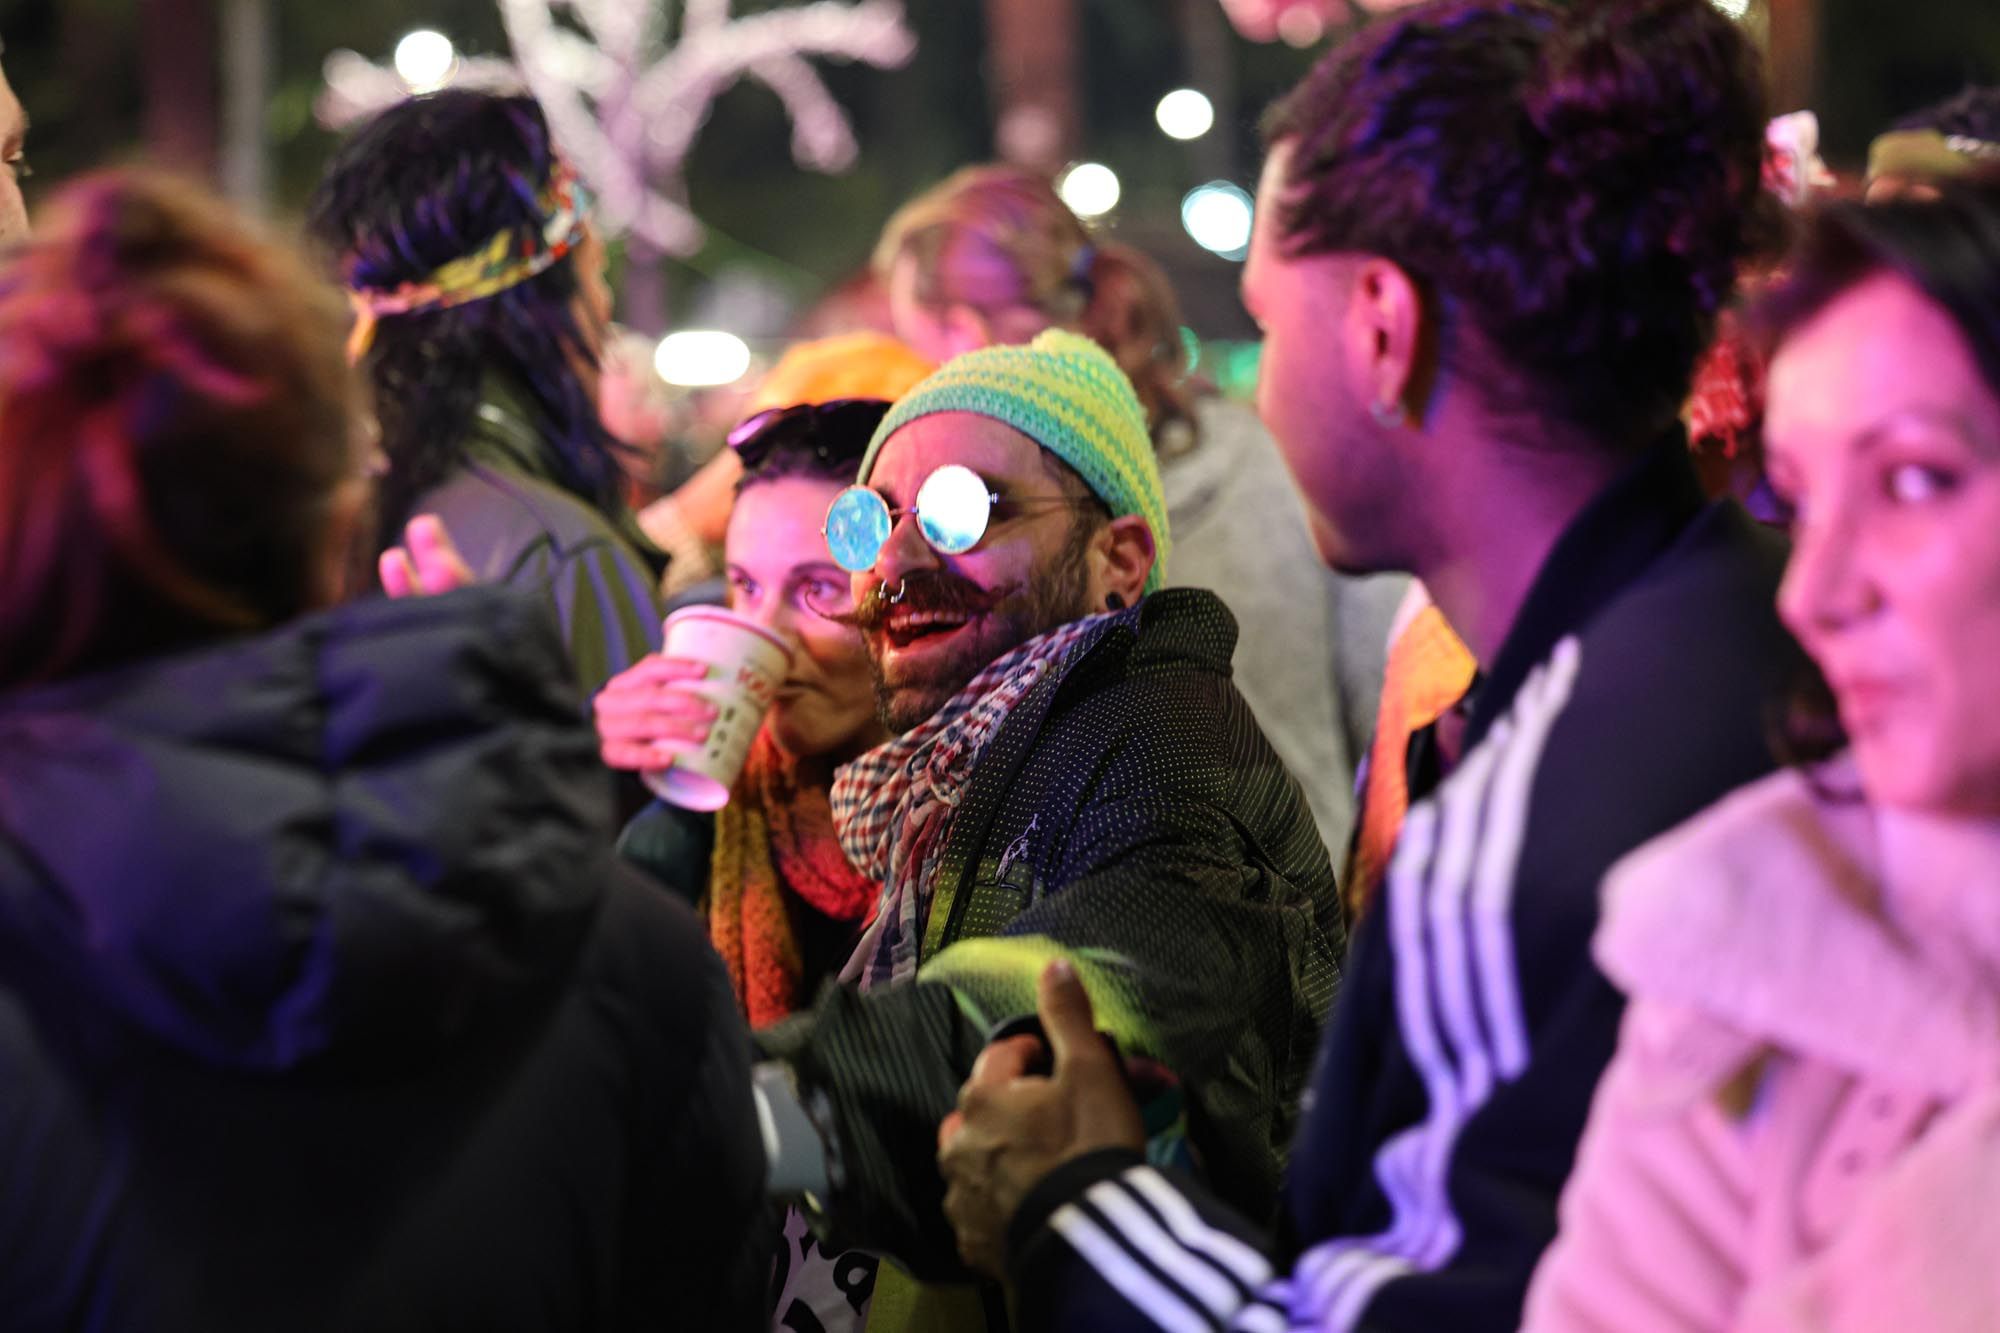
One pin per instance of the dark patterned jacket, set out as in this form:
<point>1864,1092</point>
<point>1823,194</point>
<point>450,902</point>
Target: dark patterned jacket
<point>1131,815</point>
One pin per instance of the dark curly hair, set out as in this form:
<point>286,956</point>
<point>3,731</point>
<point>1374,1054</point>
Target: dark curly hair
<point>1973,113</point>
<point>821,442</point>
<point>426,182</point>
<point>1572,187</point>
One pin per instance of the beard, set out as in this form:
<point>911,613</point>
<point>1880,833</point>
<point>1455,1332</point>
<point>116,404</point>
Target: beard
<point>994,623</point>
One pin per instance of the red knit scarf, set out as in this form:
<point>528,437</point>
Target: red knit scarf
<point>775,837</point>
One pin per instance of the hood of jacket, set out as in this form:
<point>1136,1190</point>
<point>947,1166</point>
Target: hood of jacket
<point>352,835</point>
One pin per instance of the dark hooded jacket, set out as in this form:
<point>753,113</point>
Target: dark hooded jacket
<point>324,1003</point>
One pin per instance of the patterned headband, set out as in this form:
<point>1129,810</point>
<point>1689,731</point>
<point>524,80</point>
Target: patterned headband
<point>507,260</point>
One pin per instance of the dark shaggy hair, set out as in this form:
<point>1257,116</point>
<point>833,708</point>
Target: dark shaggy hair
<point>1973,113</point>
<point>1948,248</point>
<point>813,443</point>
<point>1572,187</point>
<point>429,181</point>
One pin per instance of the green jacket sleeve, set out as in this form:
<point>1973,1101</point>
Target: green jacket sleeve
<point>605,601</point>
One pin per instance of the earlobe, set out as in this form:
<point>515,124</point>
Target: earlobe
<point>1126,552</point>
<point>1394,308</point>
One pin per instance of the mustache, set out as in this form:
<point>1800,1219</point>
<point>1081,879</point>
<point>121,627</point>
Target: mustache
<point>925,590</point>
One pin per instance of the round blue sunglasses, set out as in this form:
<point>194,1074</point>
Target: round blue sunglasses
<point>954,509</point>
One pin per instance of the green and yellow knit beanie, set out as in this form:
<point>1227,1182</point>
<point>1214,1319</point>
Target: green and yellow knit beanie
<point>1066,394</point>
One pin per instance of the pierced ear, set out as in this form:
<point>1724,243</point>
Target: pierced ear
<point>1124,554</point>
<point>1392,305</point>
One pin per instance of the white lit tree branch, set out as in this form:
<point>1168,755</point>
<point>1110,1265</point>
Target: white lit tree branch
<point>357,87</point>
<point>626,98</point>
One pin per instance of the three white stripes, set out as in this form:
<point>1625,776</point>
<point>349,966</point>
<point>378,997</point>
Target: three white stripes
<point>1458,1005</point>
<point>1453,876</point>
<point>1202,1259</point>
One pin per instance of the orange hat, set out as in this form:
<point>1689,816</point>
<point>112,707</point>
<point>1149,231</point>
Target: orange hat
<point>848,365</point>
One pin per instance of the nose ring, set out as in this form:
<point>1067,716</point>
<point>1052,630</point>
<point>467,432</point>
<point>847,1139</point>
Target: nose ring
<point>902,589</point>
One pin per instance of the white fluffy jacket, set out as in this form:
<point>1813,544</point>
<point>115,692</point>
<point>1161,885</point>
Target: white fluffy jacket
<point>1801,1128</point>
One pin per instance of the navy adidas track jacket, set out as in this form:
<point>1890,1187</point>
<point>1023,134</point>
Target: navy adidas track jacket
<point>1456,1073</point>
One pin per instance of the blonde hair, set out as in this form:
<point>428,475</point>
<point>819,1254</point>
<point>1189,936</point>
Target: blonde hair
<point>997,237</point>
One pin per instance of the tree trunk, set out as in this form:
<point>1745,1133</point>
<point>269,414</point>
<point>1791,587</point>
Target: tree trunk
<point>178,40</point>
<point>1793,53</point>
<point>247,61</point>
<point>1033,69</point>
<point>92,51</point>
<point>1212,70</point>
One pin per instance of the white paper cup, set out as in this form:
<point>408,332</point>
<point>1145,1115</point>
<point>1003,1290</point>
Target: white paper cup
<point>746,665</point>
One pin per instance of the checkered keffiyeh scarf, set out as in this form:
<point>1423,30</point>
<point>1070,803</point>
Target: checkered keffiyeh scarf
<point>893,806</point>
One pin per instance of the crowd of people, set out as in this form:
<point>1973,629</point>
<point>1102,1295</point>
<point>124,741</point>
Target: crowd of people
<point>1423,855</point>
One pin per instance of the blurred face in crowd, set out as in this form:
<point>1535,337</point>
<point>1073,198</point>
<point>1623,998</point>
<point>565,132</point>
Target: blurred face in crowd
<point>1037,567</point>
<point>13,164</point>
<point>781,576</point>
<point>940,329</point>
<point>1883,433</point>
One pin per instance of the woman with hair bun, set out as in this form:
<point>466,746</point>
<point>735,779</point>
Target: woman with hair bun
<point>991,254</point>
<point>324,1001</point>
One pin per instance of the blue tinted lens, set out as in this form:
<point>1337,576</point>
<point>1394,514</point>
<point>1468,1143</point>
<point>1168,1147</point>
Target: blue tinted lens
<point>857,525</point>
<point>952,509</point>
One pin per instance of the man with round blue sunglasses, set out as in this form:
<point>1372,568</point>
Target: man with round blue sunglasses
<point>993,505</point>
<point>1073,776</point>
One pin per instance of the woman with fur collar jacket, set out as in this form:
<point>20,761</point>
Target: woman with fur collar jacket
<point>1801,1127</point>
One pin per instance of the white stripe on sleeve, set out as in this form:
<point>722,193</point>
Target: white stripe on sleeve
<point>1449,897</point>
<point>1142,1235</point>
<point>1126,1274</point>
<point>1252,1269</point>
<point>1260,1319</point>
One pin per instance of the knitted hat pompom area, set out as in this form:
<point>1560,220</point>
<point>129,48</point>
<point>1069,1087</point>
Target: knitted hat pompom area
<point>1066,394</point>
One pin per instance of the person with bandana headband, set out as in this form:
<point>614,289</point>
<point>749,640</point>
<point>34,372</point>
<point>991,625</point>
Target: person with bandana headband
<point>477,281</point>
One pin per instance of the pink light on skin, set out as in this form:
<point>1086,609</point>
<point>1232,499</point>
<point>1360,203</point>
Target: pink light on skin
<point>1885,436</point>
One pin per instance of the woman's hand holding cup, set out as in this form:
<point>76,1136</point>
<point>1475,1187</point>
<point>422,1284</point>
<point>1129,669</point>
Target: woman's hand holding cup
<point>647,713</point>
